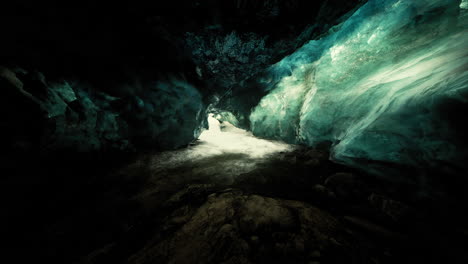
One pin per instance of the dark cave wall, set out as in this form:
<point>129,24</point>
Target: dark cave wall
<point>48,117</point>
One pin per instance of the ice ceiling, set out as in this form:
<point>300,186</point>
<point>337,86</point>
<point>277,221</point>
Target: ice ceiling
<point>379,86</point>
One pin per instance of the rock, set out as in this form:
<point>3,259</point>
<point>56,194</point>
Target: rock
<point>323,193</point>
<point>343,184</point>
<point>316,154</point>
<point>276,230</point>
<point>192,193</point>
<point>312,162</point>
<point>315,254</point>
<point>392,208</point>
<point>320,188</point>
<point>255,240</point>
<point>10,76</point>
<point>340,179</point>
<point>261,214</point>
<point>374,229</point>
<point>299,243</point>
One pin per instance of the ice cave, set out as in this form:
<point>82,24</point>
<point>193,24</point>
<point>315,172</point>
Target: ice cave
<point>235,131</point>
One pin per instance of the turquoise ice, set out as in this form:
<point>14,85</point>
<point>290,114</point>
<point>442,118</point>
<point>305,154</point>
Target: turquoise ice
<point>375,85</point>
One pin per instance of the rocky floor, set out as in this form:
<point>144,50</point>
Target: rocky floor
<point>272,203</point>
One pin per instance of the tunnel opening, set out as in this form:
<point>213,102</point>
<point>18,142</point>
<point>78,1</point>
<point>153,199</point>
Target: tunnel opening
<point>224,137</point>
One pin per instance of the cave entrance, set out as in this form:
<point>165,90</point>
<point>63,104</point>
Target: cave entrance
<point>221,153</point>
<point>223,137</point>
<point>214,125</point>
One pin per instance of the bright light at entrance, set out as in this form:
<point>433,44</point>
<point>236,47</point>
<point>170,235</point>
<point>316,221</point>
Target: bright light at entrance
<point>223,150</point>
<point>226,138</point>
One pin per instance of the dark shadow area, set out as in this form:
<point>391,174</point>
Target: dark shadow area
<point>295,206</point>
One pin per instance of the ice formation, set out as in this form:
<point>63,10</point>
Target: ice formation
<point>164,114</point>
<point>385,85</point>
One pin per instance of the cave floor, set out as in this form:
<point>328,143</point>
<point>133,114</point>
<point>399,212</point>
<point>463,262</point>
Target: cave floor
<point>233,198</point>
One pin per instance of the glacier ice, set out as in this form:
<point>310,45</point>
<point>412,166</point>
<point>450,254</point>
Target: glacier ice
<point>226,116</point>
<point>163,114</point>
<point>377,86</point>
<point>172,115</point>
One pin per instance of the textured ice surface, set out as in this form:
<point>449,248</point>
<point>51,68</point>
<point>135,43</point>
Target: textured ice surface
<point>81,121</point>
<point>228,117</point>
<point>377,85</point>
<point>163,115</point>
<point>169,114</point>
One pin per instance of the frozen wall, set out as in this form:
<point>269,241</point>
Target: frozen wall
<point>52,116</point>
<point>385,85</point>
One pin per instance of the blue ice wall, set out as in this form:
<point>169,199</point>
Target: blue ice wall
<point>166,114</point>
<point>380,86</point>
<point>163,114</point>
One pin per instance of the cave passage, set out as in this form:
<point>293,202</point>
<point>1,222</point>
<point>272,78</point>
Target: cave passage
<point>234,132</point>
<point>223,151</point>
<point>226,138</point>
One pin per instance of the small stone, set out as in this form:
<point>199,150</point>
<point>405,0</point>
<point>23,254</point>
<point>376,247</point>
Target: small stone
<point>315,254</point>
<point>341,183</point>
<point>319,188</point>
<point>226,228</point>
<point>323,192</point>
<point>315,154</point>
<point>281,247</point>
<point>312,162</point>
<point>340,179</point>
<point>299,244</point>
<point>394,209</point>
